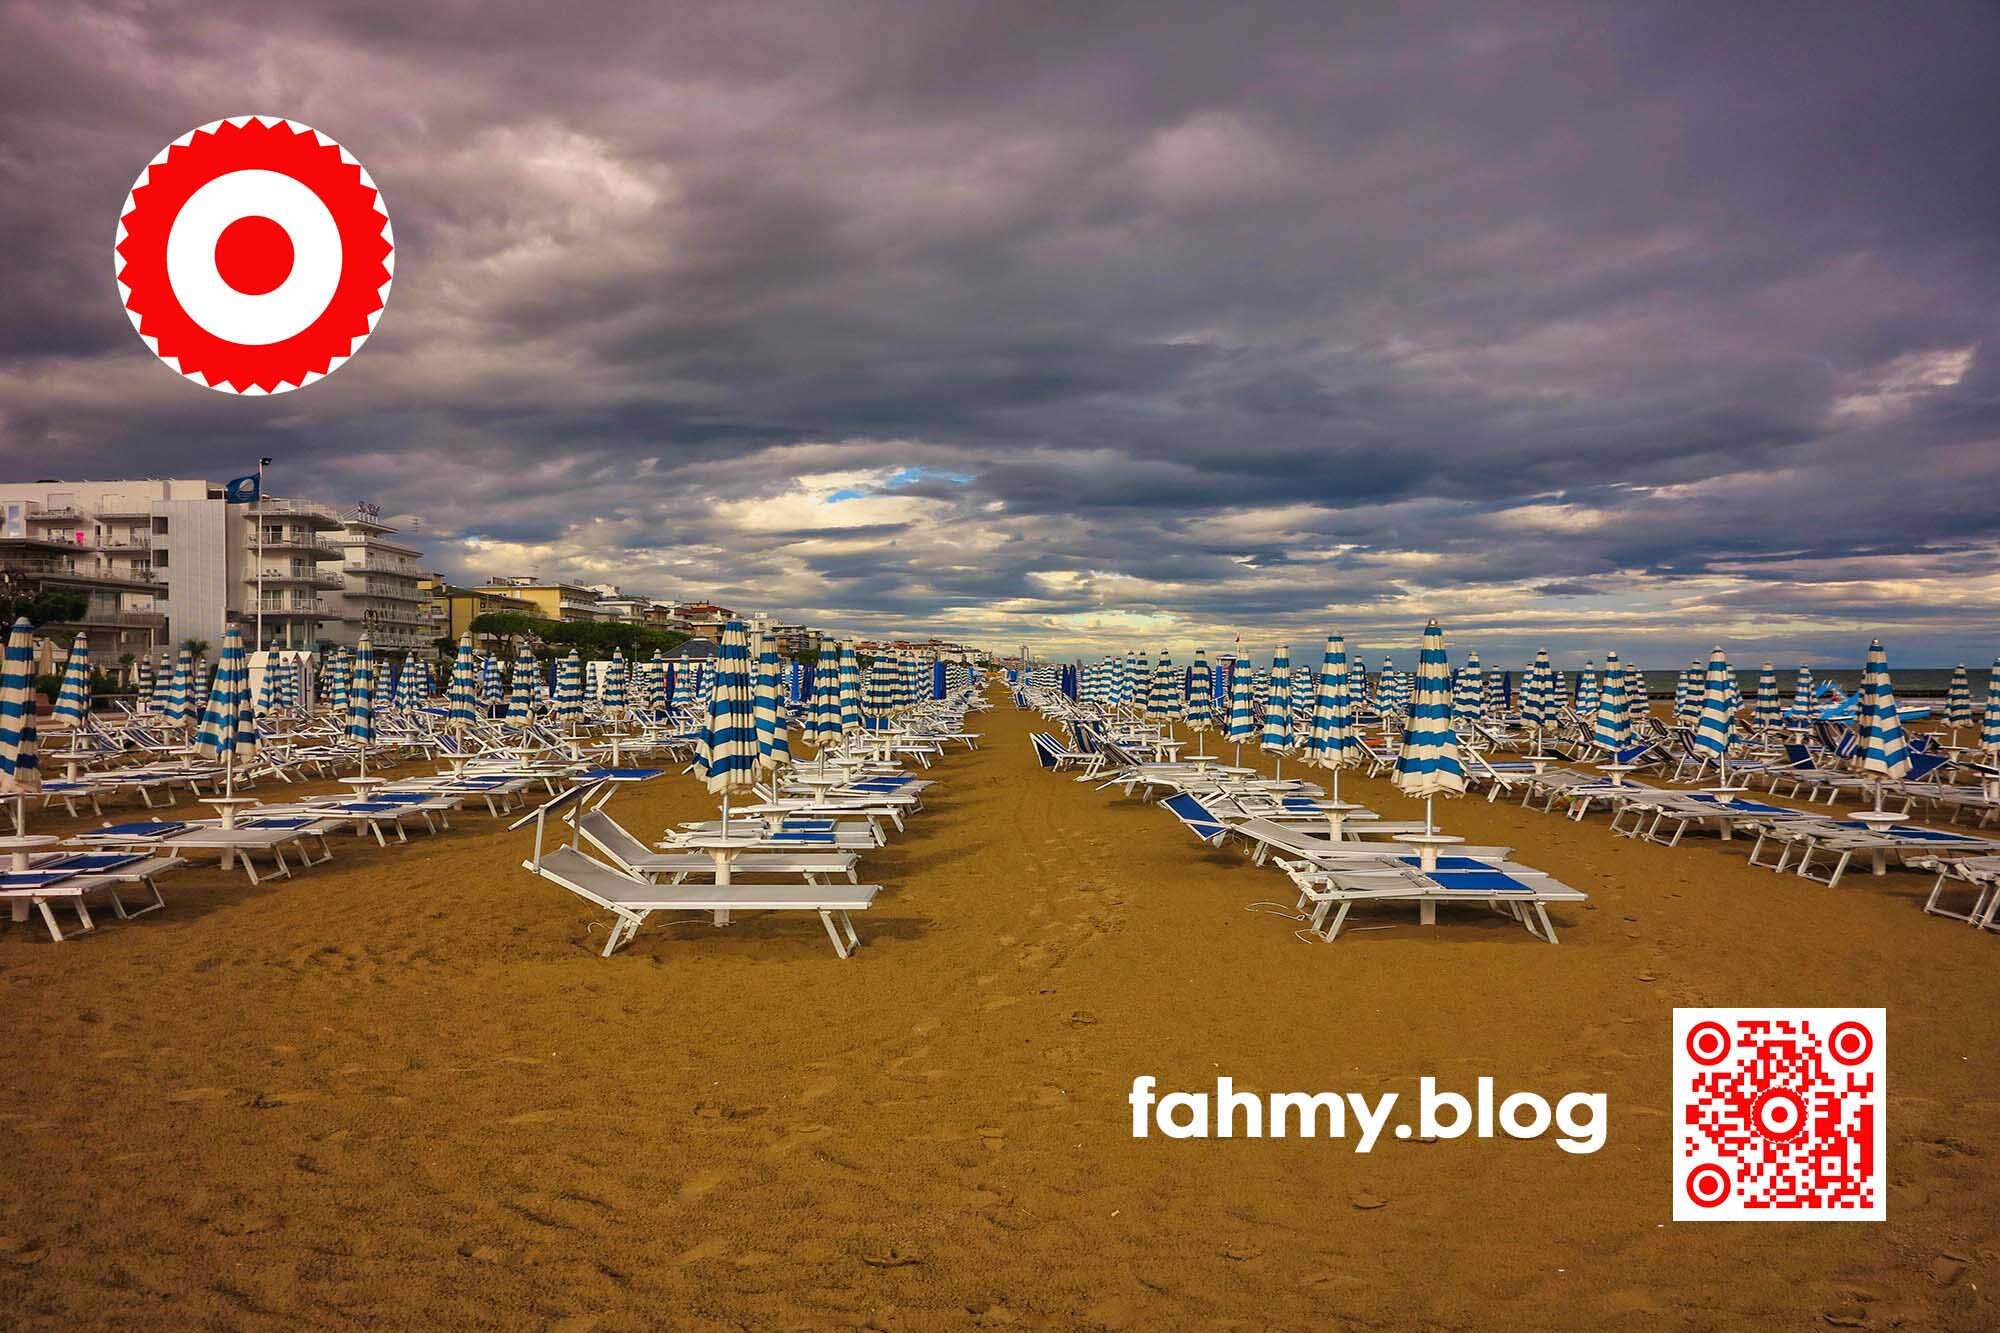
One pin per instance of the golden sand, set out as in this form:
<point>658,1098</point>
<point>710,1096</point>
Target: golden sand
<point>402,1088</point>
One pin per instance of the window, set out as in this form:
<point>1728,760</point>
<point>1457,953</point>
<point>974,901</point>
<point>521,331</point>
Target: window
<point>159,527</point>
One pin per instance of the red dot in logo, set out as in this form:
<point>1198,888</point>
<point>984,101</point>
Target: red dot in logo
<point>1708,1185</point>
<point>1779,1114</point>
<point>1707,1043</point>
<point>1851,1043</point>
<point>253,255</point>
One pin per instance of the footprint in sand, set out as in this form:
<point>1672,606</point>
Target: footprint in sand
<point>798,1138</point>
<point>817,1089</point>
<point>702,1253</point>
<point>700,1184</point>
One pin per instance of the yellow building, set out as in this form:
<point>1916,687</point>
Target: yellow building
<point>550,601</point>
<point>453,609</point>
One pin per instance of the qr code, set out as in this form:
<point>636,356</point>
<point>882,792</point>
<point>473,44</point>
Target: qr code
<point>1778,1115</point>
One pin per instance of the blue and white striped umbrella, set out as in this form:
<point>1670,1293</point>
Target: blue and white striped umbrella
<point>73,700</point>
<point>339,674</point>
<point>267,688</point>
<point>1769,706</point>
<point>774,742</point>
<point>616,689</point>
<point>361,695</point>
<point>20,766</point>
<point>1684,688</point>
<point>1242,721</point>
<point>878,696</point>
<point>200,681</point>
<point>146,685</point>
<point>1957,699</point>
<point>228,729</point>
<point>491,695</point>
<point>684,679</point>
<point>850,688</point>
<point>1586,690</point>
<point>291,686</point>
<point>1989,728</point>
<point>462,709</point>
<point>1879,722</point>
<point>1538,692</point>
<point>1278,703</point>
<point>826,702</point>
<point>1714,729</point>
<point>1428,764</point>
<point>1803,690</point>
<point>1163,696</point>
<point>1613,728</point>
<point>567,708</point>
<point>726,748</point>
<point>1200,693</point>
<point>175,707</point>
<point>521,691</point>
<point>1332,742</point>
<point>1639,696</point>
<point>1468,698</point>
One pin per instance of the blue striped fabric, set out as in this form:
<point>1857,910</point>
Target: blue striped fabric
<point>567,706</point>
<point>774,742</point>
<point>826,702</point>
<point>1429,764</point>
<point>490,694</point>
<point>339,675</point>
<point>1538,693</point>
<point>1163,699</point>
<point>361,695</point>
<point>1200,693</point>
<point>850,688</point>
<point>1713,730</point>
<point>175,707</point>
<point>726,749</point>
<point>1989,729</point>
<point>228,729</point>
<point>1802,691</point>
<point>1587,691</point>
<point>1332,742</point>
<point>73,699</point>
<point>462,708</point>
<point>1468,695</point>
<point>521,691</point>
<point>1878,721</point>
<point>1278,703</point>
<point>1636,694</point>
<point>1613,728</point>
<point>1957,699</point>
<point>1769,706</point>
<point>20,769</point>
<point>1242,722</point>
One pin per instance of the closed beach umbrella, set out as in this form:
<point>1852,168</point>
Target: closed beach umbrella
<point>1802,691</point>
<point>228,729</point>
<point>1538,695</point>
<point>20,770</point>
<point>616,689</point>
<point>1683,687</point>
<point>175,707</point>
<point>1613,728</point>
<point>1200,693</point>
<point>1641,699</point>
<point>726,748</point>
<point>568,702</point>
<point>1468,698</point>
<point>462,709</point>
<point>1586,690</point>
<point>1242,722</point>
<point>361,700</point>
<point>1879,723</point>
<point>1278,706</point>
<point>1429,762</point>
<point>521,692</point>
<point>490,693</point>
<point>1989,729</point>
<point>73,699</point>
<point>1714,728</point>
<point>1332,743</point>
<point>1163,699</point>
<point>774,742</point>
<point>850,688</point>
<point>826,704</point>
<point>339,675</point>
<point>1957,700</point>
<point>1769,706</point>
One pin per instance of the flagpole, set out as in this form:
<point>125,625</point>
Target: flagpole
<point>259,519</point>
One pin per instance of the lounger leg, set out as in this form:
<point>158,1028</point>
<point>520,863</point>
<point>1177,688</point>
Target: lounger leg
<point>839,945</point>
<point>1427,912</point>
<point>49,919</point>
<point>1332,930</point>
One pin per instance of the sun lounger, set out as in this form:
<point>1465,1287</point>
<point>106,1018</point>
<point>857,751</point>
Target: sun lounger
<point>1518,891</point>
<point>251,834</point>
<point>73,876</point>
<point>1838,842</point>
<point>631,899</point>
<point>628,853</point>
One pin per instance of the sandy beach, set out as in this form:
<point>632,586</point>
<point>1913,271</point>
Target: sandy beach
<point>403,1088</point>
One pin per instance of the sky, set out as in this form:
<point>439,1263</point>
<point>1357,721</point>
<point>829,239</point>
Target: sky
<point>1639,327</point>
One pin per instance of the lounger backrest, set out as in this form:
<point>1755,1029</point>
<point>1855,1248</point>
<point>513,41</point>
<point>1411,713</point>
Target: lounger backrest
<point>610,837</point>
<point>1044,744</point>
<point>1196,817</point>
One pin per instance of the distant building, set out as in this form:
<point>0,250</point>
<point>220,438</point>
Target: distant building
<point>551,601</point>
<point>452,608</point>
<point>795,639</point>
<point>704,618</point>
<point>380,594</point>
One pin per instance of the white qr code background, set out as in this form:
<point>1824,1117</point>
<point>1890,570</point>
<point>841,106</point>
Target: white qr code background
<point>1778,1115</point>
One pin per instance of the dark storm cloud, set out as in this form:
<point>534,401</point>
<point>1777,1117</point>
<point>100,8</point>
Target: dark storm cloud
<point>1564,323</point>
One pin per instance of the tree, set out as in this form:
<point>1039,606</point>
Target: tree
<point>592,638</point>
<point>198,647</point>
<point>43,606</point>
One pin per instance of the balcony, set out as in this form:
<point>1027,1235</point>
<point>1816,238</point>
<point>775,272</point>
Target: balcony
<point>304,541</point>
<point>299,578</point>
<point>311,514</point>
<point>292,608</point>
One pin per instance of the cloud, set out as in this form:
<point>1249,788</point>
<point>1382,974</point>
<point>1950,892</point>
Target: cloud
<point>1165,323</point>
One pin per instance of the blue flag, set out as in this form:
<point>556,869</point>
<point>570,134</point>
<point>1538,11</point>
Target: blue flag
<point>242,490</point>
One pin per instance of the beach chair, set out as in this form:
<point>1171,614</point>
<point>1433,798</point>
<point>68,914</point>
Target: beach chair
<point>1978,874</point>
<point>73,876</point>
<point>252,833</point>
<point>631,899</point>
<point>631,855</point>
<point>1515,890</point>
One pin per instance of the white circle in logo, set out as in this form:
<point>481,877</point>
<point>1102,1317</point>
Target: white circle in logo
<point>273,316</point>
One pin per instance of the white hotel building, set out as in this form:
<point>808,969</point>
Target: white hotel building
<point>166,560</point>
